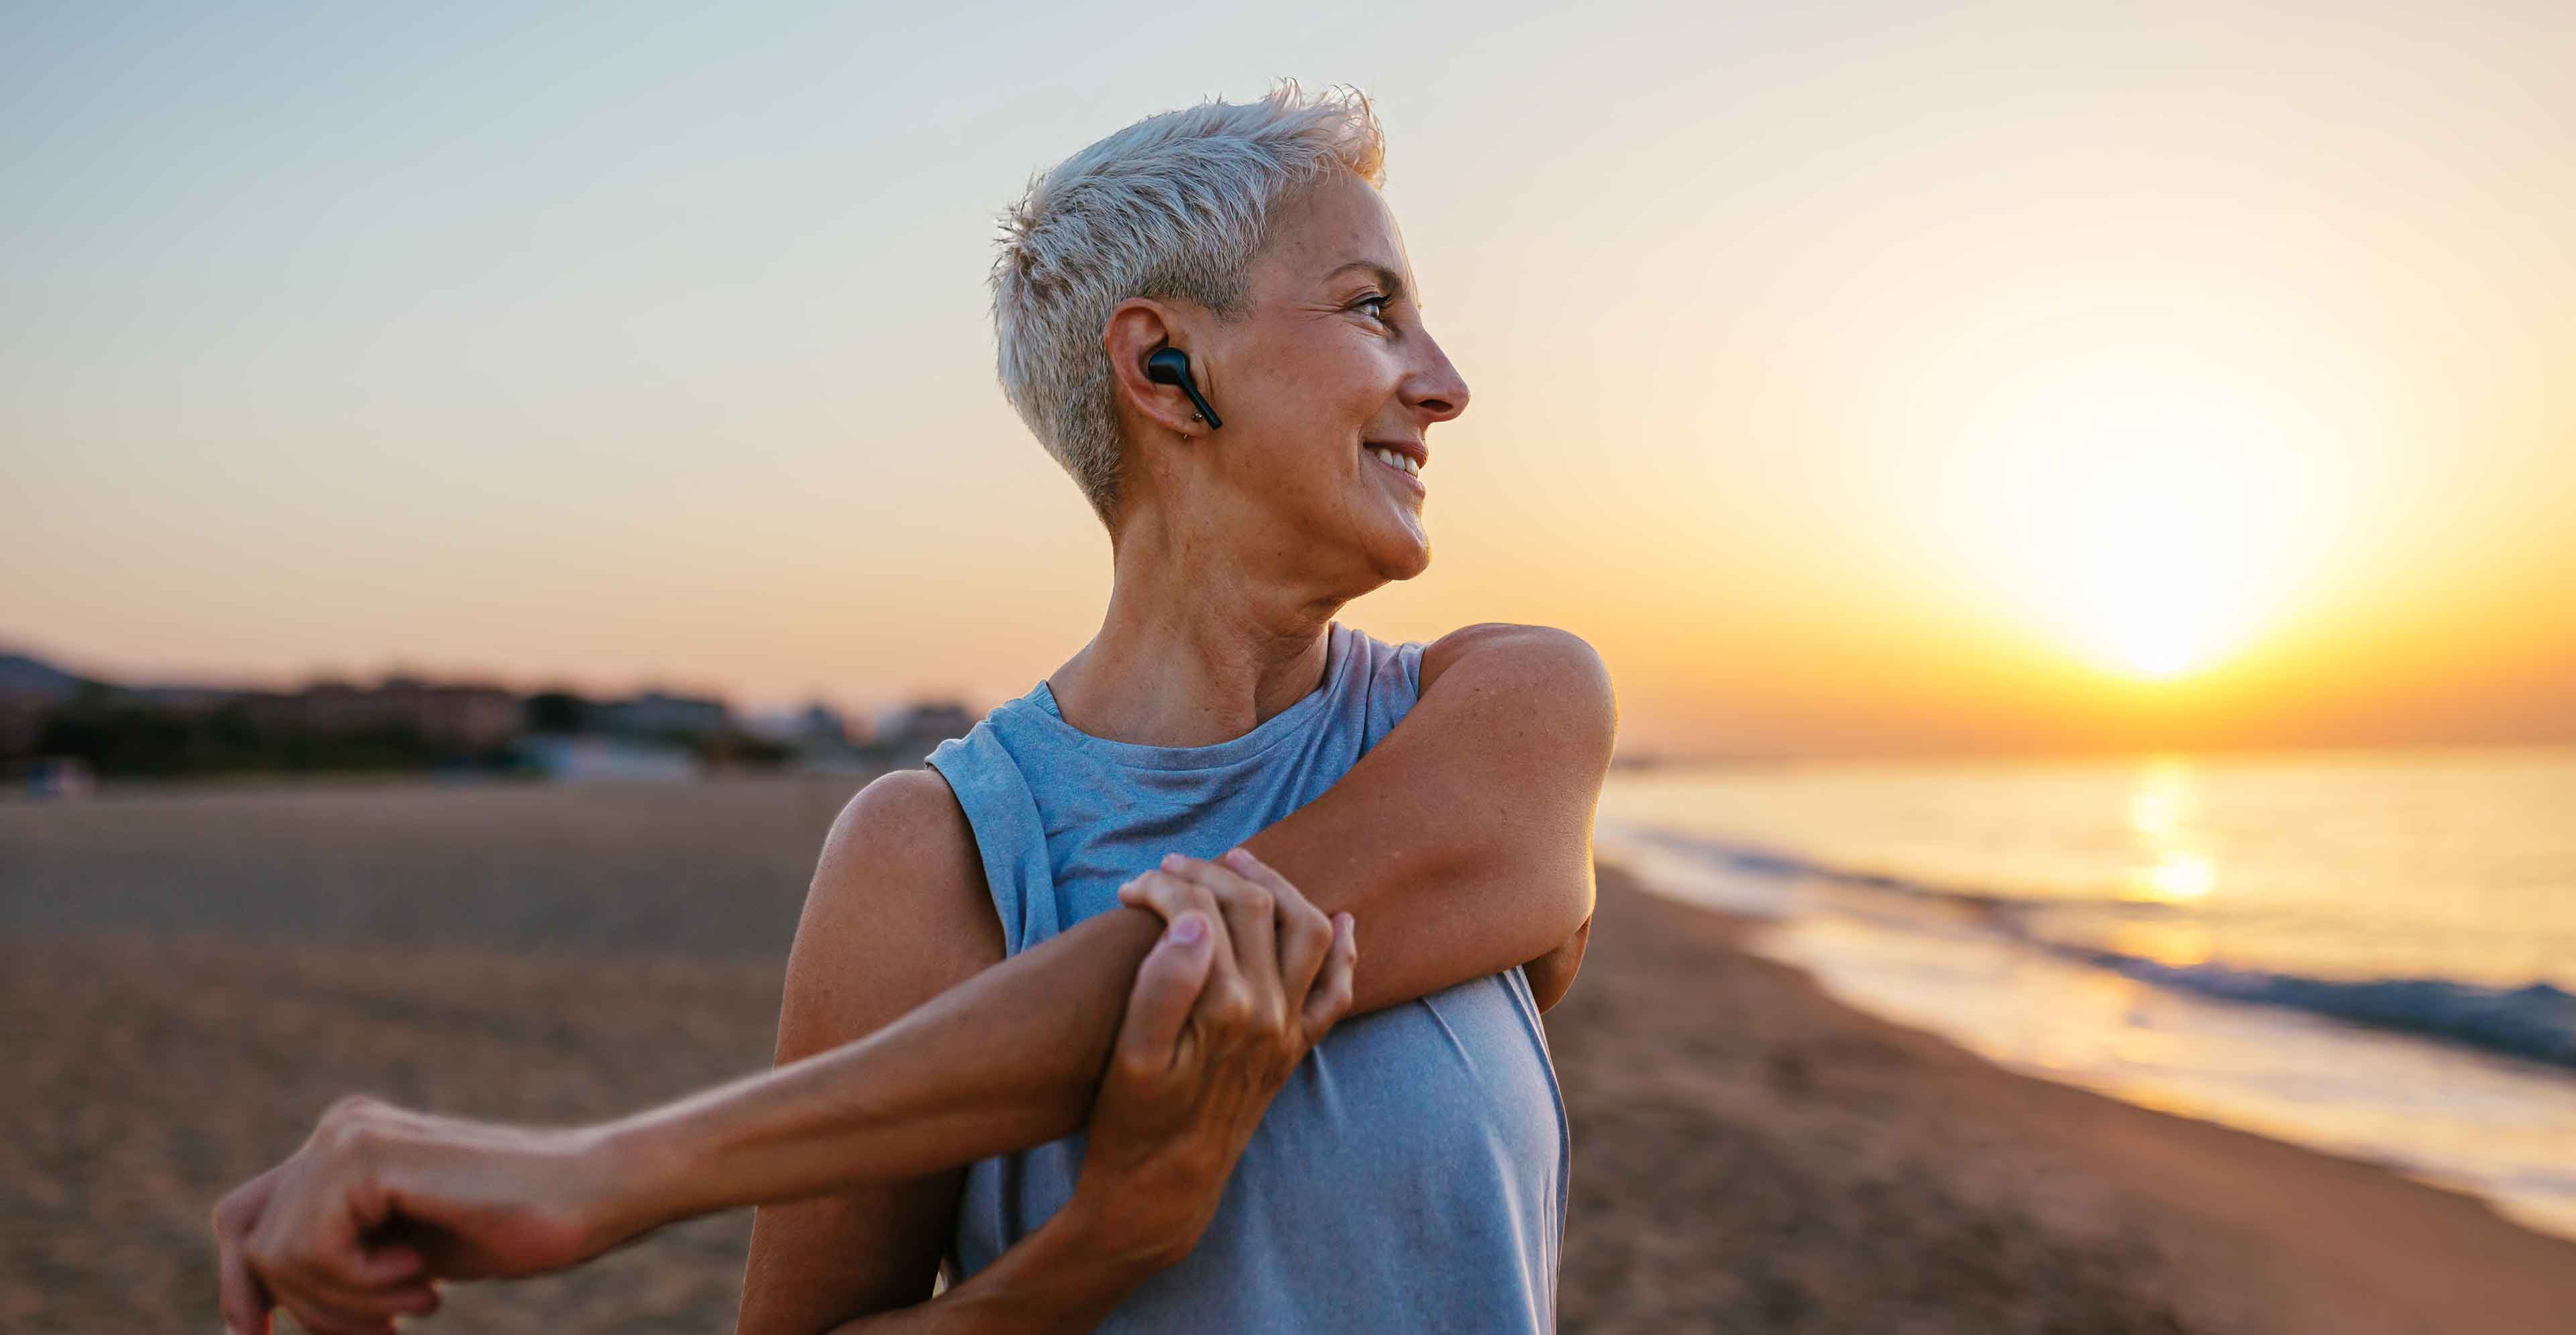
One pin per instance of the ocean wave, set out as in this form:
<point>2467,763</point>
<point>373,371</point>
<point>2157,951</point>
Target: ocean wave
<point>2536,1021</point>
<point>1756,860</point>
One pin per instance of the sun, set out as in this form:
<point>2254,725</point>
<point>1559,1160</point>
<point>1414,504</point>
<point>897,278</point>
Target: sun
<point>2150,515</point>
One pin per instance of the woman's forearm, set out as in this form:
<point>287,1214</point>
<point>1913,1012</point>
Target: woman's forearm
<point>1052,1280</point>
<point>1461,843</point>
<point>1008,1059</point>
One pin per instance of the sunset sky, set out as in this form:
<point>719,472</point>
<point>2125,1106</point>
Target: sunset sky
<point>1859,378</point>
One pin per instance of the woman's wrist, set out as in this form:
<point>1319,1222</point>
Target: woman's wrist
<point>1068,1275</point>
<point>1107,1235</point>
<point>631,1177</point>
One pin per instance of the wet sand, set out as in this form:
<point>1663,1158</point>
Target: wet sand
<point>185,980</point>
<point>1752,1155</point>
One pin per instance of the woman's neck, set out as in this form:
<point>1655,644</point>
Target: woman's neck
<point>1195,648</point>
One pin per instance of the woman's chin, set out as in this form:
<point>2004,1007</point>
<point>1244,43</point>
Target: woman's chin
<point>1405,560</point>
<point>1388,547</point>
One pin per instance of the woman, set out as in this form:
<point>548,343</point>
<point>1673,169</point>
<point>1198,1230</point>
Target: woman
<point>963,970</point>
<point>1411,1174</point>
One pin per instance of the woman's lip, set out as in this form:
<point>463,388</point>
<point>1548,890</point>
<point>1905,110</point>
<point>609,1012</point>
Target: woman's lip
<point>1406,478</point>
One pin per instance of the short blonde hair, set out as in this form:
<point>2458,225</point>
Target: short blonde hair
<point>1175,206</point>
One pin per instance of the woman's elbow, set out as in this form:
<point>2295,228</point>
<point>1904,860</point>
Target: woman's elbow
<point>1551,975</point>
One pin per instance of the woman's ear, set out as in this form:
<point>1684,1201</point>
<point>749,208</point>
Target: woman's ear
<point>1138,328</point>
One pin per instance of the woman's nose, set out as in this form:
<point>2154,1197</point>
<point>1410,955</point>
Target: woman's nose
<point>1439,393</point>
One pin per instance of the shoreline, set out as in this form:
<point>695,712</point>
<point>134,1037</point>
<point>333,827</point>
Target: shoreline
<point>1829,1170</point>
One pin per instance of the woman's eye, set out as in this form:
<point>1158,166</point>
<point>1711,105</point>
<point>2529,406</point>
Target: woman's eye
<point>1378,302</point>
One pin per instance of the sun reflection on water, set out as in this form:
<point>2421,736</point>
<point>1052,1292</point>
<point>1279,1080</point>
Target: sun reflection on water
<point>2168,864</point>
<point>2174,944</point>
<point>2179,877</point>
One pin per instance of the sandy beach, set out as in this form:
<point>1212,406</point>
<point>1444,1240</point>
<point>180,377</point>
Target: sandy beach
<point>188,978</point>
<point>1752,1155</point>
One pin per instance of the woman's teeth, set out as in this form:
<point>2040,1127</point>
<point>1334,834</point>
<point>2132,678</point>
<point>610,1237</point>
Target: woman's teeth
<point>1400,462</point>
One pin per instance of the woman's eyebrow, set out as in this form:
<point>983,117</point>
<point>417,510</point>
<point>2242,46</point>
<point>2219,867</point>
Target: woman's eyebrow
<point>1386,277</point>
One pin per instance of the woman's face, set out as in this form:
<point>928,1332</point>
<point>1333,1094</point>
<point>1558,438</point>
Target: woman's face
<point>1332,363</point>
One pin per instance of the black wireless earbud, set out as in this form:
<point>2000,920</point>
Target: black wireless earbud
<point>1171,366</point>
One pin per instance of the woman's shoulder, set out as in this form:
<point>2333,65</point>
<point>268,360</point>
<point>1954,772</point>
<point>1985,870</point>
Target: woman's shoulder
<point>906,822</point>
<point>1539,657</point>
<point>905,838</point>
<point>1543,649</point>
<point>899,887</point>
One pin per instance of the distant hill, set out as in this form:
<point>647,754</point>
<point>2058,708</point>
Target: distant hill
<point>27,677</point>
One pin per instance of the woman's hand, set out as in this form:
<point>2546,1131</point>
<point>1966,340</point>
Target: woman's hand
<point>1187,1084</point>
<point>382,1201</point>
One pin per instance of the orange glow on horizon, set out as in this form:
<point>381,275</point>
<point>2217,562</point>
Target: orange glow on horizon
<point>2142,507</point>
<point>1858,383</point>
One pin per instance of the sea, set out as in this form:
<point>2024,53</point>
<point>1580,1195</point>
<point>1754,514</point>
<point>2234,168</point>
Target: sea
<point>2371,952</point>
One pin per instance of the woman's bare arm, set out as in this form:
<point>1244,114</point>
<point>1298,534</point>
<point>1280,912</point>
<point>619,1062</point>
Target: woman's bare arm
<point>862,1261</point>
<point>897,914</point>
<point>1461,842</point>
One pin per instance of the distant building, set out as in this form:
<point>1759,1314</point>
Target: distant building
<point>568,759</point>
<point>466,717</point>
<point>816,727</point>
<point>909,734</point>
<point>654,714</point>
<point>463,719</point>
<point>820,725</point>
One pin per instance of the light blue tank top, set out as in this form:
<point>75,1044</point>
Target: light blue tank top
<point>1411,1175</point>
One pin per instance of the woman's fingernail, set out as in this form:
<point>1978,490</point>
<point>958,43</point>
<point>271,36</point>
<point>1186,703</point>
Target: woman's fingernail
<point>1171,862</point>
<point>1241,857</point>
<point>1189,929</point>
